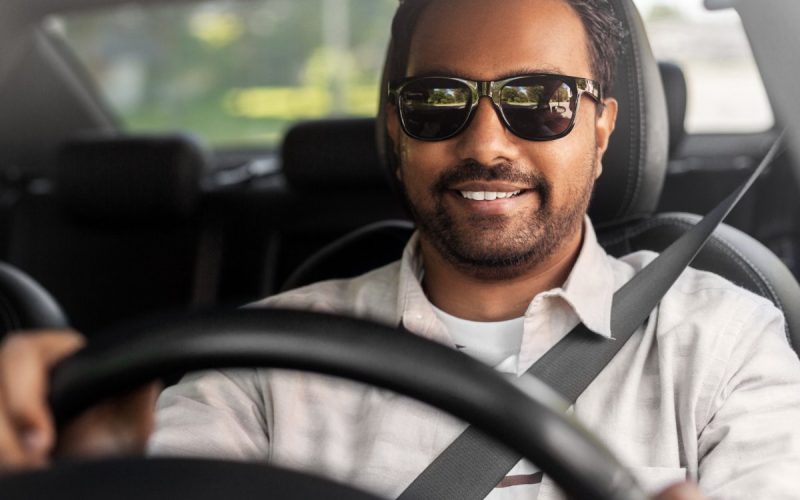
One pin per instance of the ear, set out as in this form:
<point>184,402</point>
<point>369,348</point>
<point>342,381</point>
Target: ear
<point>395,133</point>
<point>606,122</point>
<point>392,122</point>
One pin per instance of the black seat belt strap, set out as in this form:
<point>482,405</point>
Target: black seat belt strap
<point>473,465</point>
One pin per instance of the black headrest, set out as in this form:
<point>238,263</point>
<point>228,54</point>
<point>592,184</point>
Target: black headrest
<point>130,177</point>
<point>675,89</point>
<point>336,152</point>
<point>635,163</point>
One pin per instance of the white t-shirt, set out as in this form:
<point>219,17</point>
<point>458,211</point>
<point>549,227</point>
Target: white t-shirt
<point>497,344</point>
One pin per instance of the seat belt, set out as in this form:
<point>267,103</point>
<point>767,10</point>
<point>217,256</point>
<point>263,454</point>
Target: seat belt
<point>472,466</point>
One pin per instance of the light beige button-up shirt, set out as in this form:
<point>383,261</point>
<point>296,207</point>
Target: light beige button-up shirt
<point>708,389</point>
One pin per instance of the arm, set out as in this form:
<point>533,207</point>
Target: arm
<point>750,444</point>
<point>219,414</point>
<point>27,434</point>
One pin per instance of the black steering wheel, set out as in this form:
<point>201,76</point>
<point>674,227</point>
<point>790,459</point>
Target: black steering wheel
<point>331,345</point>
<point>25,304</point>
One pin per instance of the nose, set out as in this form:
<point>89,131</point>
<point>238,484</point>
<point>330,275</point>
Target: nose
<point>486,139</point>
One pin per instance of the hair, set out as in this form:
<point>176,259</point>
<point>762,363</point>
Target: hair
<point>604,33</point>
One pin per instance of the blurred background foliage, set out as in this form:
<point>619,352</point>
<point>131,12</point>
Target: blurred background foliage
<point>234,71</point>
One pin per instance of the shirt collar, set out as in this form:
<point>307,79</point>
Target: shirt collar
<point>414,311</point>
<point>410,282</point>
<point>588,290</point>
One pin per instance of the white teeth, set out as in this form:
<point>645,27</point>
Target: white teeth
<point>487,195</point>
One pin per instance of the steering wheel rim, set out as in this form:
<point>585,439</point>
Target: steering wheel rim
<point>25,304</point>
<point>171,478</point>
<point>359,350</point>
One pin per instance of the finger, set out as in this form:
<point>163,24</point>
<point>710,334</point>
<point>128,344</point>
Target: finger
<point>681,491</point>
<point>120,426</point>
<point>25,363</point>
<point>136,414</point>
<point>11,453</point>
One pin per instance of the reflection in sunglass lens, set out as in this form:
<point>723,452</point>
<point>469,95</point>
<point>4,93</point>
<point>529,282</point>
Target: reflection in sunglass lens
<point>435,108</point>
<point>538,107</point>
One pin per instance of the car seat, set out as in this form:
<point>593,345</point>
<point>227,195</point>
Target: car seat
<point>120,234</point>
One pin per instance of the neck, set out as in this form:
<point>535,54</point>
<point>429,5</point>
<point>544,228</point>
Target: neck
<point>484,300</point>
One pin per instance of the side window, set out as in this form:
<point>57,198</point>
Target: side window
<point>236,72</point>
<point>726,94</point>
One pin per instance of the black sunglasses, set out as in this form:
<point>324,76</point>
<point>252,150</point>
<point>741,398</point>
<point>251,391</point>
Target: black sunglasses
<point>539,107</point>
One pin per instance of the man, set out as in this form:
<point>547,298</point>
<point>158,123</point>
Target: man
<point>504,265</point>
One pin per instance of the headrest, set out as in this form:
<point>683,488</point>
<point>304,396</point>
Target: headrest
<point>635,164</point>
<point>676,93</point>
<point>130,178</point>
<point>337,152</point>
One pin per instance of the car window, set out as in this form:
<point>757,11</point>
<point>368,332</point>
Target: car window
<point>238,73</point>
<point>234,72</point>
<point>725,91</point>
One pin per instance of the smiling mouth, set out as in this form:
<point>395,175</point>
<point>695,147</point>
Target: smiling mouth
<point>489,195</point>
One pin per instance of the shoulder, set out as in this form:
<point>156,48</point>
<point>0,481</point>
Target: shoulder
<point>703,295</point>
<point>707,315</point>
<point>710,337</point>
<point>371,296</point>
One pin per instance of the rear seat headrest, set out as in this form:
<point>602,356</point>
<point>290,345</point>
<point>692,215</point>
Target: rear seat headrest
<point>130,178</point>
<point>333,152</point>
<point>676,94</point>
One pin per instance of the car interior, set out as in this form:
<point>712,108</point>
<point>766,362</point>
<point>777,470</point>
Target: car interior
<point>101,226</point>
<point>151,223</point>
<point>233,243</point>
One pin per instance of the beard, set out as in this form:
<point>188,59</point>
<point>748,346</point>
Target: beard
<point>500,247</point>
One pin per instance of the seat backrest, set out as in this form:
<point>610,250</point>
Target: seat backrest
<point>334,185</point>
<point>118,235</point>
<point>366,248</point>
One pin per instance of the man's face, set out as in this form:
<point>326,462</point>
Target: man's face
<point>501,238</point>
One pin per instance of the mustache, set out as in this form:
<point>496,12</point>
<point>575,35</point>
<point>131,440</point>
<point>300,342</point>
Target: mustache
<point>506,171</point>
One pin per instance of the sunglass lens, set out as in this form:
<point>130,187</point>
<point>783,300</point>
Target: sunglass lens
<point>538,107</point>
<point>434,108</point>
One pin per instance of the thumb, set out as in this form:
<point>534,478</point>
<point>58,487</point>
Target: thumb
<point>25,362</point>
<point>681,491</point>
<point>119,426</point>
